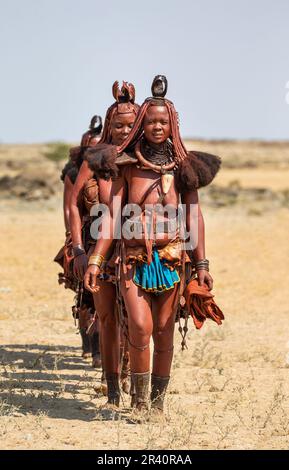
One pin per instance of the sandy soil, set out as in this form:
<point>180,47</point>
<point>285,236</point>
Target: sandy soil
<point>229,389</point>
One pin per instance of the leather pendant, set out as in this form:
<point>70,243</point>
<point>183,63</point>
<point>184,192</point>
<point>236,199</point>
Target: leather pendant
<point>166,181</point>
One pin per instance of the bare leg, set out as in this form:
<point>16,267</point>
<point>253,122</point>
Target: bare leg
<point>83,324</point>
<point>140,324</point>
<point>105,301</point>
<point>85,345</point>
<point>95,347</point>
<point>164,311</point>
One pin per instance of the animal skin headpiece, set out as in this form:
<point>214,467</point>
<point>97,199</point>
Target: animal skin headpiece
<point>124,104</point>
<point>124,97</point>
<point>96,124</point>
<point>159,86</point>
<point>192,169</point>
<point>159,89</point>
<point>89,139</point>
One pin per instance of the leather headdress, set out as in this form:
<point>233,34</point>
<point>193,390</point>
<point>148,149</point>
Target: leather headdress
<point>96,124</point>
<point>89,138</point>
<point>193,169</point>
<point>124,104</point>
<point>124,97</point>
<point>159,89</point>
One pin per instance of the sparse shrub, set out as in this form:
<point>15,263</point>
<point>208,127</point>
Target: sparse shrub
<point>57,151</point>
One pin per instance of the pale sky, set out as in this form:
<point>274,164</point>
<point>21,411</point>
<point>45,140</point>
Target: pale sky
<point>227,64</point>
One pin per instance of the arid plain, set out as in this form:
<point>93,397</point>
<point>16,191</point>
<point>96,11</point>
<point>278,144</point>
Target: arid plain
<point>229,389</point>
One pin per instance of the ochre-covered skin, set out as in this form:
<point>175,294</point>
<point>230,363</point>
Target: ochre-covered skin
<point>148,314</point>
<point>85,308</point>
<point>118,123</point>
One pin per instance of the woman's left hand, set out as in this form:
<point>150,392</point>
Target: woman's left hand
<point>204,277</point>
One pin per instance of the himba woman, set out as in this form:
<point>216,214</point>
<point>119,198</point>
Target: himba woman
<point>161,173</point>
<point>84,308</point>
<point>119,121</point>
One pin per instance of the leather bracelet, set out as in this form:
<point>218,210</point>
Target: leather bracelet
<point>78,250</point>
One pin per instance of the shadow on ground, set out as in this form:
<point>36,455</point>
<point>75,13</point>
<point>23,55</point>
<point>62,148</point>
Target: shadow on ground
<point>36,379</point>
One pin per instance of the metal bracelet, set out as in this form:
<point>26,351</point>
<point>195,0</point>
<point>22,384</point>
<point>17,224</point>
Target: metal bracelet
<point>202,261</point>
<point>96,260</point>
<point>78,250</point>
<point>202,264</point>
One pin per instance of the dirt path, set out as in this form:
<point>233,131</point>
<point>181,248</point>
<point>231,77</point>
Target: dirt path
<point>228,390</point>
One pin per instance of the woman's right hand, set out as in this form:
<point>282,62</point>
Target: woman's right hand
<point>90,278</point>
<point>80,266</point>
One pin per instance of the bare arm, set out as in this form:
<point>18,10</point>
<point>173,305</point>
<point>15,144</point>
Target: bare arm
<point>104,244</point>
<point>67,192</point>
<point>196,228</point>
<point>76,203</point>
<point>195,224</point>
<point>109,191</point>
<point>75,215</point>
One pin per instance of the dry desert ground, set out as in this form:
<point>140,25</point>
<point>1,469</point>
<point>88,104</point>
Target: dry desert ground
<point>229,389</point>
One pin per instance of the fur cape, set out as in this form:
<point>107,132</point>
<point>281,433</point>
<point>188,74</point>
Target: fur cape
<point>102,161</point>
<point>71,170</point>
<point>196,171</point>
